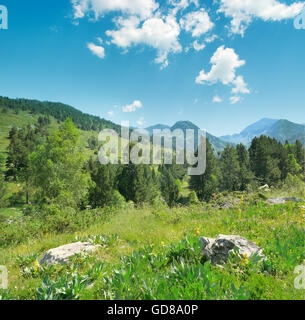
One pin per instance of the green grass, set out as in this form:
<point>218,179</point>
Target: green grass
<point>153,253</point>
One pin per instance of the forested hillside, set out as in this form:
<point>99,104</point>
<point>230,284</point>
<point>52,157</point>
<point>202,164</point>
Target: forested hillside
<point>59,111</point>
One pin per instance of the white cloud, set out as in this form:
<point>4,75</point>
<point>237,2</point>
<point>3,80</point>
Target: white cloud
<point>197,22</point>
<point>211,38</point>
<point>224,64</point>
<point>141,121</point>
<point>100,40</point>
<point>141,8</point>
<point>243,12</point>
<point>198,46</point>
<point>240,86</point>
<point>235,99</point>
<point>133,107</point>
<point>217,99</point>
<point>96,50</point>
<point>111,113</point>
<point>182,5</point>
<point>157,32</point>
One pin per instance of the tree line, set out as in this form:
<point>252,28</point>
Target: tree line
<point>52,170</point>
<point>59,111</point>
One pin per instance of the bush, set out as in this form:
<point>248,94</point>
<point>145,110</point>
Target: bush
<point>294,184</point>
<point>117,200</point>
<point>192,199</point>
<point>50,219</point>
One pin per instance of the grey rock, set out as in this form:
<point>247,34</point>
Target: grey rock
<point>226,205</point>
<point>282,200</point>
<point>61,255</point>
<point>217,250</point>
<point>205,241</point>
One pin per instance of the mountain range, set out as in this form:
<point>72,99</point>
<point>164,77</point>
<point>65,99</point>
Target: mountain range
<point>281,130</point>
<point>217,143</point>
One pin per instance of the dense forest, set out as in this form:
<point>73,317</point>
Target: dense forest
<point>52,170</point>
<point>59,111</point>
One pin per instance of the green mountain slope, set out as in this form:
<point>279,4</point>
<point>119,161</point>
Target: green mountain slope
<point>217,143</point>
<point>281,130</point>
<point>58,111</point>
<point>284,130</point>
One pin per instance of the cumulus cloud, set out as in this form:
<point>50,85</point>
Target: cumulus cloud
<point>240,85</point>
<point>133,107</point>
<point>141,8</point>
<point>235,99</point>
<point>181,5</point>
<point>197,22</point>
<point>224,64</point>
<point>157,32</point>
<point>217,99</point>
<point>243,12</point>
<point>211,38</point>
<point>99,51</point>
<point>198,46</point>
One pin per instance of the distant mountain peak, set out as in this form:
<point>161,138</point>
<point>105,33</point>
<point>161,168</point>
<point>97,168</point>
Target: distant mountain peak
<point>184,125</point>
<point>282,130</point>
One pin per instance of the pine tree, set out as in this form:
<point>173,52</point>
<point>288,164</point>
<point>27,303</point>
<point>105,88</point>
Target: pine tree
<point>3,185</point>
<point>206,184</point>
<point>230,170</point>
<point>246,176</point>
<point>169,187</point>
<point>300,155</point>
<point>103,187</point>
<point>22,144</point>
<point>265,159</point>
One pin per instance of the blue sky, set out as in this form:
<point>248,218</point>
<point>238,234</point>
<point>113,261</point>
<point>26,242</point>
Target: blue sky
<point>216,64</point>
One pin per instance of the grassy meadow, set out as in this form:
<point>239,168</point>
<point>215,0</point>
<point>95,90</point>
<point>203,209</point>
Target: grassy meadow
<point>154,253</point>
<point>150,251</point>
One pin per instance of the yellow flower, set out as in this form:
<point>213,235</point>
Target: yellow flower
<point>162,244</point>
<point>245,259</point>
<point>239,213</point>
<point>197,231</point>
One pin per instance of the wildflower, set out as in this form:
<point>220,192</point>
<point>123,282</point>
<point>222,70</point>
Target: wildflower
<point>162,244</point>
<point>245,259</point>
<point>197,231</point>
<point>239,214</point>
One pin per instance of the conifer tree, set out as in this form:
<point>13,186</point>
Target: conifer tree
<point>206,184</point>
